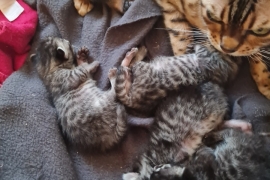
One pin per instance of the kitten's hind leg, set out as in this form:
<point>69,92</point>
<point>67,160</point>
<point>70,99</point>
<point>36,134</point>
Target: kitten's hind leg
<point>238,124</point>
<point>142,51</point>
<point>129,56</point>
<point>83,6</point>
<point>112,77</point>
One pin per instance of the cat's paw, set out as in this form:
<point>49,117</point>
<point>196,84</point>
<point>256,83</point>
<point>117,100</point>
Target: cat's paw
<point>140,55</point>
<point>161,166</point>
<point>131,176</point>
<point>83,6</point>
<point>129,56</point>
<point>83,55</point>
<point>112,73</point>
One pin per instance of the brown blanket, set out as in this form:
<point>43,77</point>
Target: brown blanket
<point>31,144</point>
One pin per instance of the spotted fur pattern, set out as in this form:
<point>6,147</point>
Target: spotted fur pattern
<point>230,155</point>
<point>234,27</point>
<point>144,84</point>
<point>85,6</point>
<point>88,116</point>
<point>186,114</point>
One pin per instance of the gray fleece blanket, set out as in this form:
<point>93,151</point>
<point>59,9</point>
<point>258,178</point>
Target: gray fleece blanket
<point>31,143</point>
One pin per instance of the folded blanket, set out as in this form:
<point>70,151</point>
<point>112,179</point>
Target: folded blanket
<point>31,144</point>
<point>15,37</point>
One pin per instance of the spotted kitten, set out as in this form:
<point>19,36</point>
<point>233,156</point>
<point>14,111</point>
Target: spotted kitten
<point>141,85</point>
<point>234,156</point>
<point>192,107</point>
<point>88,116</point>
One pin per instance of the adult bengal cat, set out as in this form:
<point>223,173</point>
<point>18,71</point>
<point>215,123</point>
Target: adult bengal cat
<point>234,27</point>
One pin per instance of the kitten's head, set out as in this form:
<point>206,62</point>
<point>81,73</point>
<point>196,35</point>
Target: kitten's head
<point>51,54</point>
<point>237,27</point>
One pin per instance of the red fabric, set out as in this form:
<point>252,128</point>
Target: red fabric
<point>14,40</point>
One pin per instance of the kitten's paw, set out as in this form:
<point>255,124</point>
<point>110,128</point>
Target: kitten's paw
<point>112,73</point>
<point>83,6</point>
<point>140,55</point>
<point>129,56</point>
<point>161,166</point>
<point>238,124</point>
<point>82,55</point>
<point>131,176</point>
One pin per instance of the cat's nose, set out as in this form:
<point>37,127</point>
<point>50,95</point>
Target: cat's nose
<point>229,44</point>
<point>224,49</point>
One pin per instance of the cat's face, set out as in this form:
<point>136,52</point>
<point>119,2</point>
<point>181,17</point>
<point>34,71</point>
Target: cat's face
<point>53,53</point>
<point>237,27</point>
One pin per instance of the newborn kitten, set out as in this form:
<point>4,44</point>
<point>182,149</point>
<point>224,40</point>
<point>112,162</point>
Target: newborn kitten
<point>191,108</point>
<point>141,85</point>
<point>235,156</point>
<point>88,115</point>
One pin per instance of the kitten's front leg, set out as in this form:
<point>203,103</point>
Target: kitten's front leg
<point>83,59</point>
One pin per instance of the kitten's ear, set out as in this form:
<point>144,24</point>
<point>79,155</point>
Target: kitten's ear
<point>33,57</point>
<point>60,53</point>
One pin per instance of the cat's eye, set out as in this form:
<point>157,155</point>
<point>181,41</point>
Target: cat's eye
<point>261,31</point>
<point>213,17</point>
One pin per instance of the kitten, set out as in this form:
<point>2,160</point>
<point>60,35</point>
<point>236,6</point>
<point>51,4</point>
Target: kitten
<point>234,27</point>
<point>235,156</point>
<point>191,108</point>
<point>142,85</point>
<point>85,6</point>
<point>87,115</point>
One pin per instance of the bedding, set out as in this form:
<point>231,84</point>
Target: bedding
<point>31,143</point>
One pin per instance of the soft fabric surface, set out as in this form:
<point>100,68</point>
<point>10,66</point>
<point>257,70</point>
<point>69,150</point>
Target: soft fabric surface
<point>31,144</point>
<point>15,37</point>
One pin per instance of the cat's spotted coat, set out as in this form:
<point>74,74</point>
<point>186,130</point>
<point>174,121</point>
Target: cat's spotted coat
<point>234,27</point>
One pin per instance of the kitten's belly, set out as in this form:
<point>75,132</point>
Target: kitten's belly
<point>88,98</point>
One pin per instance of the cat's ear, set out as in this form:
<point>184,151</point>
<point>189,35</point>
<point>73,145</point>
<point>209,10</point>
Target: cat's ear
<point>60,53</point>
<point>33,57</point>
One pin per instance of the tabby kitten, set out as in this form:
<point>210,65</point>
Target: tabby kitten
<point>142,85</point>
<point>235,156</point>
<point>187,113</point>
<point>234,27</point>
<point>88,116</point>
<point>85,6</point>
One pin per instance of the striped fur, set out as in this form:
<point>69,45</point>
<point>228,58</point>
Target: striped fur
<point>142,86</point>
<point>194,103</point>
<point>234,27</point>
<point>87,115</point>
<point>235,156</point>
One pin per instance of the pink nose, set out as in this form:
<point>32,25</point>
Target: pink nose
<point>229,44</point>
<point>224,49</point>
